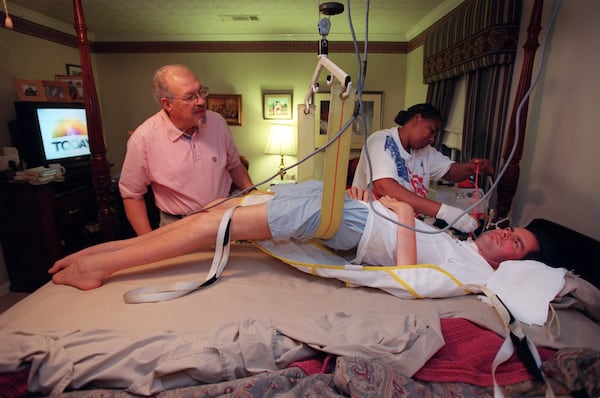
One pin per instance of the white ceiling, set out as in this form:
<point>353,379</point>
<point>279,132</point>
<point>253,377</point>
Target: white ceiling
<point>219,20</point>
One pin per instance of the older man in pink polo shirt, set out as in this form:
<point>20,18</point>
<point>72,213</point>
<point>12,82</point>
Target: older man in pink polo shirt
<point>185,152</point>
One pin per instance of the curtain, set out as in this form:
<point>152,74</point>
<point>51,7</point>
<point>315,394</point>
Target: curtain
<point>479,40</point>
<point>479,34</point>
<point>486,108</point>
<point>439,94</point>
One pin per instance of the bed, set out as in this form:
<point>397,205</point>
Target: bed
<point>266,328</point>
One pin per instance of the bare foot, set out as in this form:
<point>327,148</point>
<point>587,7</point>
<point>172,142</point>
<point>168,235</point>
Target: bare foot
<point>78,274</point>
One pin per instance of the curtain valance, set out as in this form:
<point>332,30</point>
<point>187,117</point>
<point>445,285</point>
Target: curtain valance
<point>481,33</point>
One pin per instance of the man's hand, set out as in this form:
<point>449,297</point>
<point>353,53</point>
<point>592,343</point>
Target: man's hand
<point>465,223</point>
<point>358,194</point>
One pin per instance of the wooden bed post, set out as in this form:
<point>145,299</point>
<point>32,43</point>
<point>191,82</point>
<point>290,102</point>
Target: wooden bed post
<point>100,167</point>
<point>509,181</point>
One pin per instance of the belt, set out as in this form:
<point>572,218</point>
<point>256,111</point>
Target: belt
<point>171,215</point>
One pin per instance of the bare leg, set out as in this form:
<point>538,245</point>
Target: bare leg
<point>406,245</point>
<point>88,268</point>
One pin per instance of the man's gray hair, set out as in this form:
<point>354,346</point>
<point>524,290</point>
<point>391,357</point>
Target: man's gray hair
<point>160,86</point>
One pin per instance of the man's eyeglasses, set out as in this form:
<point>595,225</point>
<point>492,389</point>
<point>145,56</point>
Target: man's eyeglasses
<point>201,93</point>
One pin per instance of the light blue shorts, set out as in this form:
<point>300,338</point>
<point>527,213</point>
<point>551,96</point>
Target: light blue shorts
<point>295,212</point>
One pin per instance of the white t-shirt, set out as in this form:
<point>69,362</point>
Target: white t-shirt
<point>459,258</point>
<point>389,159</point>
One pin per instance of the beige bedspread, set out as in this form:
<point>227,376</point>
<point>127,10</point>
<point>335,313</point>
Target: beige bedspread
<point>261,316</point>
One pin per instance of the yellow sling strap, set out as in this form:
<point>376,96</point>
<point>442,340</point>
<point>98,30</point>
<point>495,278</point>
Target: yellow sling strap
<point>336,163</point>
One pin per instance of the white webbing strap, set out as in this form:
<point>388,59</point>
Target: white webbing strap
<point>515,338</point>
<point>169,291</point>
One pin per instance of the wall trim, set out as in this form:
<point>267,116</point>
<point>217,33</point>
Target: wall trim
<point>27,27</point>
<point>243,47</point>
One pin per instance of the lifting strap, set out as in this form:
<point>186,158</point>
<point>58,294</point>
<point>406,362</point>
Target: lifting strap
<point>335,166</point>
<point>515,340</point>
<point>169,291</point>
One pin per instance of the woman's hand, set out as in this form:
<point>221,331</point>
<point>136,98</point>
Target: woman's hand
<point>485,166</point>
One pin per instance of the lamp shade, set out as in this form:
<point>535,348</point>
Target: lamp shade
<point>281,140</point>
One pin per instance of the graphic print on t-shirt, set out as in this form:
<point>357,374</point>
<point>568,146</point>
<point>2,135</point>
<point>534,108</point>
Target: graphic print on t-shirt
<point>414,181</point>
<point>401,169</point>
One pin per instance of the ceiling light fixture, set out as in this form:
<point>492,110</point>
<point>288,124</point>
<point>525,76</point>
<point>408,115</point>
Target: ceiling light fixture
<point>239,18</point>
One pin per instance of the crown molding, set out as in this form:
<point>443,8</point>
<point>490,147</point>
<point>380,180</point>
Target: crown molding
<point>40,31</point>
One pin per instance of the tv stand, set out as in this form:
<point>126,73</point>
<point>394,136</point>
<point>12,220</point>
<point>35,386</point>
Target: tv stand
<point>40,224</point>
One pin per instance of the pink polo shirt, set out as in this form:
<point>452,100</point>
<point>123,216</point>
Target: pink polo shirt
<point>185,173</point>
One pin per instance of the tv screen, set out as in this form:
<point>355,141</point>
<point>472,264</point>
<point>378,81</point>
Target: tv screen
<point>51,132</point>
<point>63,132</point>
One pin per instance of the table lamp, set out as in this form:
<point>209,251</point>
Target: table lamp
<point>281,142</point>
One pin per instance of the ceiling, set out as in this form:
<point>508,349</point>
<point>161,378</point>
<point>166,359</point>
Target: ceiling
<point>235,20</point>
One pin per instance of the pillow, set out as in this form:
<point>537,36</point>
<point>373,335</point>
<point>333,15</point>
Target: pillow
<point>563,247</point>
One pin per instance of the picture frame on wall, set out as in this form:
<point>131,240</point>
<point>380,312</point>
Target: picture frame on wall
<point>228,105</point>
<point>29,90</point>
<point>73,70</point>
<point>278,105</point>
<point>74,86</point>
<point>373,110</point>
<point>56,91</point>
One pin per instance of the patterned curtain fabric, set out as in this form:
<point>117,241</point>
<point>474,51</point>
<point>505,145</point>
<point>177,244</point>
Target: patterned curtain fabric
<point>480,41</point>
<point>488,94</point>
<point>481,33</point>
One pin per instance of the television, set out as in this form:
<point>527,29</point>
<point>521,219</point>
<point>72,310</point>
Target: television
<point>51,132</point>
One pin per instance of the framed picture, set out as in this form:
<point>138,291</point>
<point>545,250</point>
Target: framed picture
<point>373,106</point>
<point>73,70</point>
<point>30,90</point>
<point>373,111</point>
<point>74,86</point>
<point>228,105</point>
<point>277,106</point>
<point>56,91</point>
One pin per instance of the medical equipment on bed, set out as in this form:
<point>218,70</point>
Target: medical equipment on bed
<point>324,25</point>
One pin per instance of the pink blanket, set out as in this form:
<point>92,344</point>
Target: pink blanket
<point>468,354</point>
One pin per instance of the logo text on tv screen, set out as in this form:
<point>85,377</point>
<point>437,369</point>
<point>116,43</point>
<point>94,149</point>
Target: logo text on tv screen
<point>64,132</point>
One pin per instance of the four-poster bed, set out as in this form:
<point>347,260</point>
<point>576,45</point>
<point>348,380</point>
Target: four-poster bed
<point>100,167</point>
<point>509,181</point>
<point>266,328</point>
